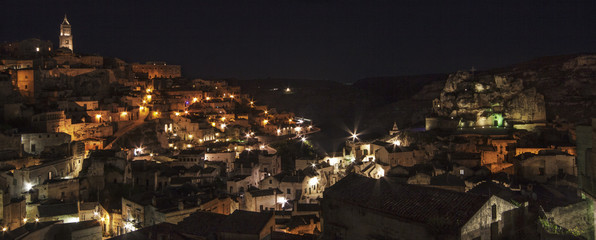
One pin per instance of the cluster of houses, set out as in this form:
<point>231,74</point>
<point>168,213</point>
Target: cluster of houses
<point>94,147</point>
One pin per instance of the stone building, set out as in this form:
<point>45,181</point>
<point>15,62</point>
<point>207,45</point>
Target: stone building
<point>35,143</point>
<point>190,158</point>
<point>26,84</point>
<point>547,164</point>
<point>66,35</point>
<point>59,189</point>
<point>24,179</point>
<point>13,210</point>
<point>51,122</point>
<point>226,157</point>
<point>264,200</point>
<point>157,70</point>
<point>247,225</point>
<point>220,205</point>
<point>362,208</point>
<point>398,156</point>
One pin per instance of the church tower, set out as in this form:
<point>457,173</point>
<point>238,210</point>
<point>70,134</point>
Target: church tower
<point>65,34</point>
<point>394,130</point>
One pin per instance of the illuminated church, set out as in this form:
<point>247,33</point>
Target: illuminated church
<point>66,35</point>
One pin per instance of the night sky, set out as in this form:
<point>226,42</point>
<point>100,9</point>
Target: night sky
<point>340,40</point>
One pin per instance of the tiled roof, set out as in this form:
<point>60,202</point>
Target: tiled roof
<point>447,180</point>
<point>201,223</point>
<point>155,232</point>
<point>245,222</point>
<point>308,207</point>
<point>294,178</point>
<point>25,230</point>
<point>58,209</point>
<point>411,202</point>
<point>287,236</point>
<point>265,192</point>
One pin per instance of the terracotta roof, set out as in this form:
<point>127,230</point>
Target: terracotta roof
<point>410,202</point>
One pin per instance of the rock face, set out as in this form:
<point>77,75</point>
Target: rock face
<point>547,88</point>
<point>484,100</point>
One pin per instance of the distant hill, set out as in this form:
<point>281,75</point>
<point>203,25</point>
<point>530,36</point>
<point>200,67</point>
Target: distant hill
<point>390,89</point>
<point>568,83</point>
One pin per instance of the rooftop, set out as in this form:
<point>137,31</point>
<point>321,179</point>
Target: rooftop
<point>246,222</point>
<point>58,209</point>
<point>412,202</point>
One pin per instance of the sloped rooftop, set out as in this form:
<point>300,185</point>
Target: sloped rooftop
<point>411,202</point>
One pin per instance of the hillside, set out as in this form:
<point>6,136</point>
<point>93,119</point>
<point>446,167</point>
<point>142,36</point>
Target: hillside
<point>568,84</point>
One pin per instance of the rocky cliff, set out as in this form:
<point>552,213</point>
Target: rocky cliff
<point>543,88</point>
<point>535,91</point>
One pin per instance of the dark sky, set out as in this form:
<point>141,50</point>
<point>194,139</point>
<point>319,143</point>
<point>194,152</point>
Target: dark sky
<point>340,40</point>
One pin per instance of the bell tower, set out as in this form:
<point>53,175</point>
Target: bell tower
<point>65,34</point>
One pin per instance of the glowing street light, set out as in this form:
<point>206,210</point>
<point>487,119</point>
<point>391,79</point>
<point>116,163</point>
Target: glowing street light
<point>28,186</point>
<point>194,100</point>
<point>381,172</point>
<point>25,220</point>
<point>177,113</point>
<point>4,229</point>
<point>397,143</point>
<point>138,151</point>
<point>36,219</point>
<point>303,139</point>
<point>313,181</point>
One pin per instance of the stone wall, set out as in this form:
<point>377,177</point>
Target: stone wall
<point>35,143</point>
<point>578,217</point>
<point>480,224</point>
